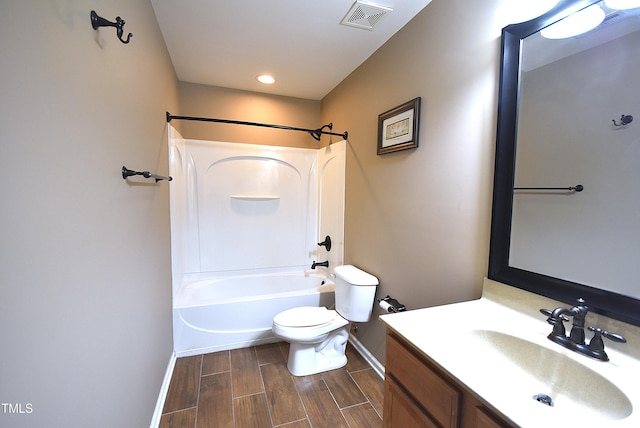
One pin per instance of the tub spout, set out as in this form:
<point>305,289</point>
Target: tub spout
<point>325,264</point>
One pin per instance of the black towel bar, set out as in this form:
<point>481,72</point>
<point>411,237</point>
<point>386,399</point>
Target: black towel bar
<point>576,188</point>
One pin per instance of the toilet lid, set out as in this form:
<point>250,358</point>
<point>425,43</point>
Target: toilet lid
<point>305,316</point>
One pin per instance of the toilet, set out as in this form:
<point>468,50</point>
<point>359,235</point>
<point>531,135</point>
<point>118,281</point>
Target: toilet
<point>317,335</point>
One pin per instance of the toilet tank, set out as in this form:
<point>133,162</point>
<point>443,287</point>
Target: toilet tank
<point>355,292</point>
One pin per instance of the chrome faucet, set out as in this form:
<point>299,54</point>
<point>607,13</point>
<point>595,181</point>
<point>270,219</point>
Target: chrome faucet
<point>576,339</point>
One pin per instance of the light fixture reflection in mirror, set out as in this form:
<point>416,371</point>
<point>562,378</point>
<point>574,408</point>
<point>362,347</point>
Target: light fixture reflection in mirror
<point>578,23</point>
<point>622,4</point>
<point>515,11</point>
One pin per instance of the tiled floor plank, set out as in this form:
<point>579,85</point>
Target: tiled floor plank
<point>252,412</point>
<point>297,424</point>
<point>354,360</point>
<point>245,374</point>
<point>309,378</point>
<point>282,396</point>
<point>180,419</point>
<point>216,362</point>
<point>372,386</point>
<point>318,402</point>
<point>362,416</point>
<point>343,388</point>
<point>270,353</point>
<point>185,381</point>
<point>284,348</point>
<point>215,406</point>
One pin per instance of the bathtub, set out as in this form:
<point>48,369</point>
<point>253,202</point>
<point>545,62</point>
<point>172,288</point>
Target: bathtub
<point>217,314</point>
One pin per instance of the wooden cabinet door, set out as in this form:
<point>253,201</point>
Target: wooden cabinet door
<point>400,411</point>
<point>485,420</point>
<point>435,394</point>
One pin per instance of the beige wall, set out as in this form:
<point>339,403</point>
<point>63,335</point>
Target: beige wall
<point>230,104</point>
<point>85,303</point>
<point>419,219</point>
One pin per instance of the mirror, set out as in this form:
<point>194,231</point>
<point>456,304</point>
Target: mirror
<point>563,105</point>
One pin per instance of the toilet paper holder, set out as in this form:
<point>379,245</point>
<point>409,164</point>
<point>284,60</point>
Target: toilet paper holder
<point>391,305</point>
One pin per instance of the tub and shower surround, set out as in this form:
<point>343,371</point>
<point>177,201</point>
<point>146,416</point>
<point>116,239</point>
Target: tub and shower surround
<point>246,221</point>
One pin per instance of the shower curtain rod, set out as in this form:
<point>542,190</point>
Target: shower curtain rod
<point>315,133</point>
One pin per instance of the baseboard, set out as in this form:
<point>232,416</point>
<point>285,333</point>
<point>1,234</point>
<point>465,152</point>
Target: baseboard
<point>368,356</point>
<point>164,389</point>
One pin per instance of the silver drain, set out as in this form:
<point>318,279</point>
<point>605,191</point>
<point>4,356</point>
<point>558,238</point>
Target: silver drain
<point>544,398</point>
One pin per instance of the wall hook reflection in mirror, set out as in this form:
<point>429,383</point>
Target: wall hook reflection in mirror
<point>625,119</point>
<point>146,174</point>
<point>98,21</point>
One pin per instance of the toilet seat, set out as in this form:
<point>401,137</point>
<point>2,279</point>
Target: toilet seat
<point>307,324</point>
<point>304,316</point>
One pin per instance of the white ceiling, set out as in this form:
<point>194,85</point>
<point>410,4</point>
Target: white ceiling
<point>301,43</point>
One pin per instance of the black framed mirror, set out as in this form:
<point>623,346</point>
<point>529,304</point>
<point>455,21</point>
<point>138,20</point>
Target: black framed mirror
<point>604,301</point>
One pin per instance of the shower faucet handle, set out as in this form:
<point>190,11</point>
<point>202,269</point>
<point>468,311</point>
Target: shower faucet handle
<point>326,243</point>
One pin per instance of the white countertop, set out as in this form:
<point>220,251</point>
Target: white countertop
<point>497,347</point>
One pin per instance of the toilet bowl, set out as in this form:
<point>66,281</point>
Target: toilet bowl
<point>317,339</point>
<point>318,336</point>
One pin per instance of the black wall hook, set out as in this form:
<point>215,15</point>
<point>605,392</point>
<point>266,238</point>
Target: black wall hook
<point>146,174</point>
<point>98,21</point>
<point>625,119</point>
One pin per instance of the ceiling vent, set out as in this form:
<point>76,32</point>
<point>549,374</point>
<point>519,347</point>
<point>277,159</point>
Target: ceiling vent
<point>364,15</point>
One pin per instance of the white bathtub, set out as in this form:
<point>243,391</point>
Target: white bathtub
<point>217,314</point>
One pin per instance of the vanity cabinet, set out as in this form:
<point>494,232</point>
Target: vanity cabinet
<point>419,394</point>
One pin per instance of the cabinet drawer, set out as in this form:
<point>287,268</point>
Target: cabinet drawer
<point>437,396</point>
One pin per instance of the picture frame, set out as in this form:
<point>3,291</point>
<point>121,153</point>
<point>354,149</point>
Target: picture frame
<point>398,127</point>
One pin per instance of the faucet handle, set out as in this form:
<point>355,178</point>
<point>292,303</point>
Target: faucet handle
<point>556,321</point>
<point>596,345</point>
<point>549,313</point>
<point>615,337</point>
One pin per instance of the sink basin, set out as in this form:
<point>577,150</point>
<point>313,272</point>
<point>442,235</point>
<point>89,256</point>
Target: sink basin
<point>527,369</point>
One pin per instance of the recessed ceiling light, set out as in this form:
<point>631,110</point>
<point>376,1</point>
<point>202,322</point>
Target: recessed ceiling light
<point>266,79</point>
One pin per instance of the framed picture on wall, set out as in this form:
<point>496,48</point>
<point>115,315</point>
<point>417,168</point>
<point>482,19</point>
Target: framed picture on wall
<point>398,127</point>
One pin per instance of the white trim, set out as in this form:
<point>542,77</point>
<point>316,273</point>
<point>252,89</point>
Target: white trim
<point>164,389</point>
<point>368,356</point>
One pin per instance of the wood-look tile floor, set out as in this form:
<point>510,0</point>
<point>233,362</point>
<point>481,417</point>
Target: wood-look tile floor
<point>252,388</point>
